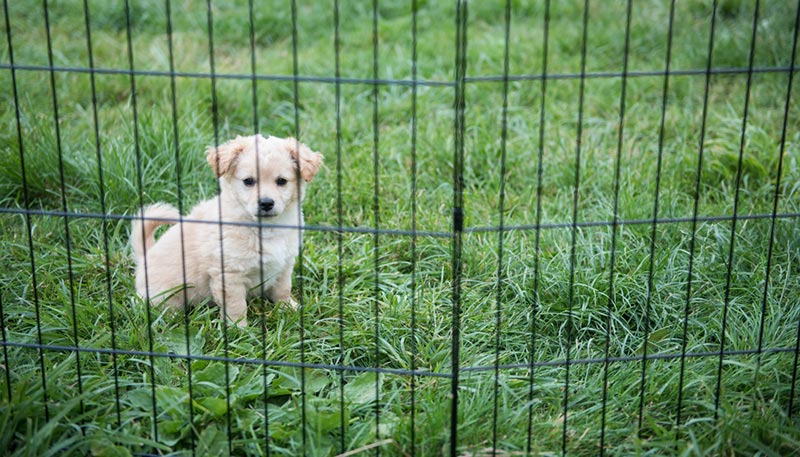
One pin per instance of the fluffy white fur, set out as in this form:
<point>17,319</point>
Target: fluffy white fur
<point>253,172</point>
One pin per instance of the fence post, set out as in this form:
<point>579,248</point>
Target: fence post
<point>458,209</point>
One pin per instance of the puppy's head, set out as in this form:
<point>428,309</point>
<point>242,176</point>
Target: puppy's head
<point>263,176</point>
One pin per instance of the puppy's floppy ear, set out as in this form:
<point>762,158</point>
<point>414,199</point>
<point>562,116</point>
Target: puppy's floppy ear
<point>308,160</point>
<point>223,158</point>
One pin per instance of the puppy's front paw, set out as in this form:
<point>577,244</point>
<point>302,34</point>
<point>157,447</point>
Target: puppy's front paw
<point>240,320</point>
<point>292,304</point>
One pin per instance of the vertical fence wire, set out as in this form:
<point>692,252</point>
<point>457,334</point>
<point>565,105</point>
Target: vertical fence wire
<point>654,223</point>
<point>339,221</point>
<point>412,380</point>
<point>140,191</point>
<point>104,220</point>
<point>692,241</point>
<point>6,365</point>
<point>28,224</point>
<point>538,230</point>
<point>63,192</point>
<point>742,139</point>
<point>790,406</point>
<point>615,224</point>
<point>458,213</point>
<point>501,223</point>
<point>179,185</point>
<point>221,225</point>
<point>376,216</point>
<point>254,100</point>
<point>574,228</point>
<point>300,255</point>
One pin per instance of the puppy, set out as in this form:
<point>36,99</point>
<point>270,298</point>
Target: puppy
<point>261,180</point>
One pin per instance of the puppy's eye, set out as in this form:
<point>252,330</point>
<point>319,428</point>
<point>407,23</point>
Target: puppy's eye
<point>281,181</point>
<point>249,182</point>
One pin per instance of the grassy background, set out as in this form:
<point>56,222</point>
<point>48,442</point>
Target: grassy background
<point>92,402</point>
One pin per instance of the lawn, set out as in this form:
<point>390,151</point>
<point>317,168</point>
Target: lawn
<point>629,275</point>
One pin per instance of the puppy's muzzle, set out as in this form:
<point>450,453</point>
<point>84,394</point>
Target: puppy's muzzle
<point>265,206</point>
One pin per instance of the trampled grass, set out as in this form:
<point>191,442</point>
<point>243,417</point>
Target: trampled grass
<point>149,382</point>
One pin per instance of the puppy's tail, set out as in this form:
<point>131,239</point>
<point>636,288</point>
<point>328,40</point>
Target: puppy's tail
<point>145,225</point>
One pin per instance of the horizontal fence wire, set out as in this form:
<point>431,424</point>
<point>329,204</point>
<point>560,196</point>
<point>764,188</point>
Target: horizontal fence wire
<point>457,371</point>
<point>422,233</point>
<point>733,71</point>
<point>398,371</point>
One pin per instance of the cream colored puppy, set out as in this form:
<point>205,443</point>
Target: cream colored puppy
<point>258,180</point>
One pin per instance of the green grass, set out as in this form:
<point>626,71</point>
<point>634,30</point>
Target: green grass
<point>752,413</point>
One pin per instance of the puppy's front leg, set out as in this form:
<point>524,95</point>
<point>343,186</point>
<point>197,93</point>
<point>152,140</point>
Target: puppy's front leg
<point>281,291</point>
<point>232,298</point>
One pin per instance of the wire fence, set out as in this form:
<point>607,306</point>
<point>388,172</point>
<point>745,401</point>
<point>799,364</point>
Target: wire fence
<point>566,227</point>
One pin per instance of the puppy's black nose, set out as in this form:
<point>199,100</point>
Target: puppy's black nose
<point>266,204</point>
